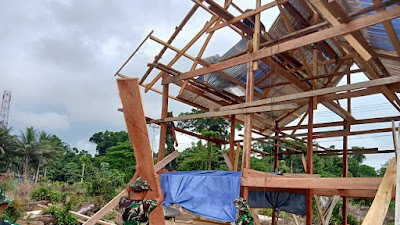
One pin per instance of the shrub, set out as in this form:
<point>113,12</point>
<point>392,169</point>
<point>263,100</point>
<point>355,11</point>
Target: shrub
<point>42,192</point>
<point>351,220</point>
<point>13,211</point>
<point>62,215</point>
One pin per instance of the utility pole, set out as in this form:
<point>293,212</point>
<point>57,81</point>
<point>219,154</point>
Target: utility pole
<point>5,108</point>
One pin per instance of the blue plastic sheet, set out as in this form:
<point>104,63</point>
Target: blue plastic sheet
<point>211,194</point>
<point>205,193</point>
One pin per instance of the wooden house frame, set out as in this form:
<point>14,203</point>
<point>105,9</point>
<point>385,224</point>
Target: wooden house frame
<point>308,50</point>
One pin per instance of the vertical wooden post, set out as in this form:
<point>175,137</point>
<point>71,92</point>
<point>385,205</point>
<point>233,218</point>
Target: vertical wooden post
<point>163,129</point>
<point>345,172</point>
<point>308,207</point>
<point>315,73</point>
<point>276,148</point>
<point>273,217</point>
<point>232,140</point>
<point>309,169</point>
<point>310,137</point>
<point>397,203</point>
<point>346,127</point>
<point>248,118</point>
<point>248,124</point>
<point>138,135</point>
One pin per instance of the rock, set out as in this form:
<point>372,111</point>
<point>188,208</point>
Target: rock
<point>86,209</point>
<point>33,214</point>
<point>47,219</point>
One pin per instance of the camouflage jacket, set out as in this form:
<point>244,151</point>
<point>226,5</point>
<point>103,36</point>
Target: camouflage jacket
<point>136,212</point>
<point>244,219</point>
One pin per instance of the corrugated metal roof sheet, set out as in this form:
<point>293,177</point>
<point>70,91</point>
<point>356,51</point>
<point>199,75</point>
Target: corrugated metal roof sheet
<point>375,34</point>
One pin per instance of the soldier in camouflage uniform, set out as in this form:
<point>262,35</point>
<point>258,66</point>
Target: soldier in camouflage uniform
<point>136,210</point>
<point>3,204</point>
<point>244,216</point>
<point>170,140</point>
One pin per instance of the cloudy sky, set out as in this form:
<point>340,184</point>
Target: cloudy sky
<point>58,59</point>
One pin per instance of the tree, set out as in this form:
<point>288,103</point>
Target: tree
<point>383,168</point>
<point>49,149</point>
<point>28,146</point>
<point>219,124</point>
<point>108,139</point>
<point>121,158</point>
<point>8,145</point>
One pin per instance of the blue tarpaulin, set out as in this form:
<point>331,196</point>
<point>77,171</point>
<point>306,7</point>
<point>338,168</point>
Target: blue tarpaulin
<point>205,193</point>
<point>211,194</point>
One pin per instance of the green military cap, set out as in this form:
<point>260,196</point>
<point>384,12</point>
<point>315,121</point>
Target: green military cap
<point>141,185</point>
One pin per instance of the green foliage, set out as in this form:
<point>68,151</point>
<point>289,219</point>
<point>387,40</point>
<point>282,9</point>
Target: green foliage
<point>351,220</point>
<point>383,169</point>
<point>62,215</point>
<point>8,145</point>
<point>121,158</point>
<point>49,193</point>
<point>265,212</point>
<point>265,164</point>
<point>219,124</point>
<point>199,157</point>
<point>13,211</point>
<point>104,183</point>
<point>108,139</point>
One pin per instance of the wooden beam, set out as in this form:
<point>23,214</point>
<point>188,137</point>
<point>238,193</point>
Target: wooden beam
<point>295,43</point>
<point>227,161</point>
<point>390,30</point>
<point>355,122</point>
<point>314,183</point>
<point>248,124</point>
<point>327,134</point>
<point>226,113</point>
<point>136,124</point>
<point>310,147</point>
<point>275,144</point>
<point>328,15</point>
<point>199,55</point>
<point>173,36</point>
<point>163,130</point>
<point>309,210</point>
<point>187,46</point>
<point>134,52</point>
<point>171,47</point>
<point>397,194</point>
<point>319,92</point>
<point>246,15</point>
<point>377,212</point>
<point>386,56</point>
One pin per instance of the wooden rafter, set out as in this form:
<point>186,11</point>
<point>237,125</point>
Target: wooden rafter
<point>295,43</point>
<point>173,36</point>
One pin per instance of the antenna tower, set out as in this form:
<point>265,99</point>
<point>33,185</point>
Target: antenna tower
<point>5,108</point>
